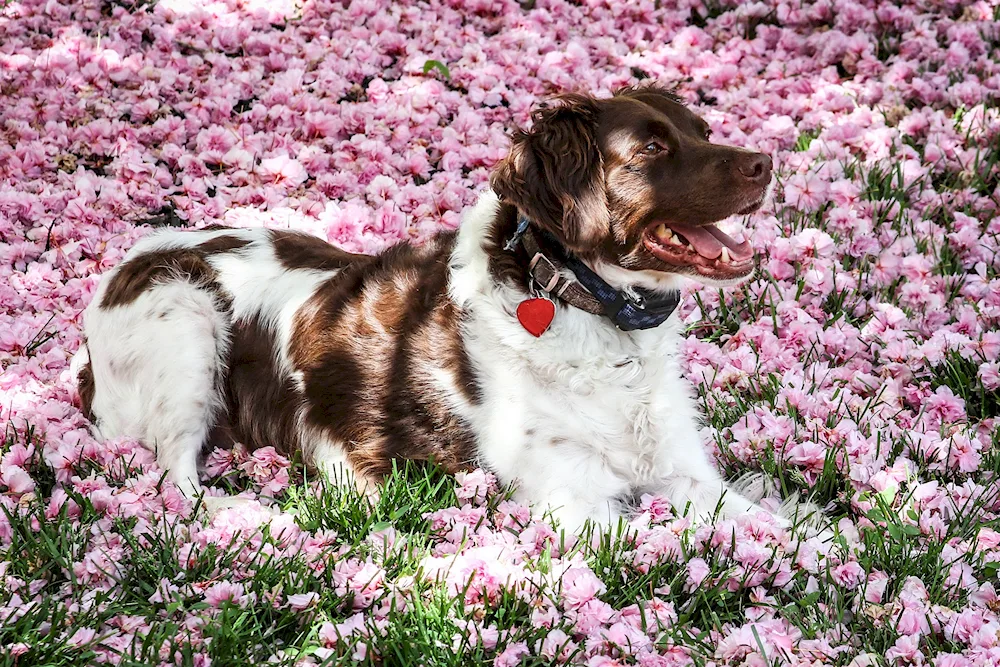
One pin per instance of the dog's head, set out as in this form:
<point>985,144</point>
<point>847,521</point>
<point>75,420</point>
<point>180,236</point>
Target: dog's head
<point>633,183</point>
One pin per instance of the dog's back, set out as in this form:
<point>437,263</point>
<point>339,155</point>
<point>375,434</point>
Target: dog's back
<point>277,338</point>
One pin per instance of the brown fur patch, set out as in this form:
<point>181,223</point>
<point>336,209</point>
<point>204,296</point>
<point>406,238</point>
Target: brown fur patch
<point>222,244</point>
<point>138,274</point>
<point>506,266</point>
<point>455,358</point>
<point>86,389</point>
<point>417,419</point>
<point>337,385</point>
<point>364,344</point>
<point>296,250</point>
<point>262,402</point>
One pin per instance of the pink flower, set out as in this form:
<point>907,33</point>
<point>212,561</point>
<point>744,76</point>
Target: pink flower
<point>557,645</point>
<point>18,455</point>
<point>17,481</point>
<point>165,592</point>
<point>875,589</point>
<point>658,507</point>
<point>592,615</point>
<point>383,540</point>
<point>580,585</point>
<point>269,469</point>
<point>283,171</point>
<point>961,575</point>
<point>848,575</point>
<point>697,570</point>
<point>776,637</point>
<point>989,375</point>
<point>945,405</point>
<point>511,656</point>
<point>806,192</point>
<point>82,637</point>
<point>219,462</point>
<point>225,592</point>
<point>984,596</point>
<point>905,651</point>
<point>302,601</point>
<point>475,486</point>
<point>964,453</point>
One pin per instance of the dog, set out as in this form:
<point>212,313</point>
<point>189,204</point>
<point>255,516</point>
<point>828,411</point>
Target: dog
<point>539,341</point>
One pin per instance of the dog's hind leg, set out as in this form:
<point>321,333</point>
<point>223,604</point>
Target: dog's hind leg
<point>158,365</point>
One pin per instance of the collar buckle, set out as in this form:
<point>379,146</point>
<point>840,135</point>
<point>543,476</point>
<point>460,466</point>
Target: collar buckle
<point>515,240</point>
<point>538,273</point>
<point>634,298</point>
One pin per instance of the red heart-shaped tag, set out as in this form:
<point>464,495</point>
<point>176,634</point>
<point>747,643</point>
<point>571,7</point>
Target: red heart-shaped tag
<point>536,315</point>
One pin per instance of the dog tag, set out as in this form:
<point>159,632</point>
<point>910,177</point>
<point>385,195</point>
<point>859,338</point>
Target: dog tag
<point>535,315</point>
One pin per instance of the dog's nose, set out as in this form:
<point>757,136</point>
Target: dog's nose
<point>756,168</point>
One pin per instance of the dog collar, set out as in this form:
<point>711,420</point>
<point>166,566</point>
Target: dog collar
<point>629,310</point>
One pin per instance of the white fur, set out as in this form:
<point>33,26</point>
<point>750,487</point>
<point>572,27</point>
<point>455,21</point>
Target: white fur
<point>169,401</point>
<point>155,376</point>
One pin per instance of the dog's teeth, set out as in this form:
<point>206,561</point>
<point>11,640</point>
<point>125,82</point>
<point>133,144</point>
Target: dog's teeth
<point>665,234</point>
<point>725,255</point>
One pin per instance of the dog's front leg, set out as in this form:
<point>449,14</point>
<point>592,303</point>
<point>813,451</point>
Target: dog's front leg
<point>696,487</point>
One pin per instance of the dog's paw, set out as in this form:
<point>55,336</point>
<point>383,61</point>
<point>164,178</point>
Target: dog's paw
<point>805,516</point>
<point>754,486</point>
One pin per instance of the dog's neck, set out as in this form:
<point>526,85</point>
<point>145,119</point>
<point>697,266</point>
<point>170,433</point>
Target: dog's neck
<point>511,266</point>
<point>535,262</point>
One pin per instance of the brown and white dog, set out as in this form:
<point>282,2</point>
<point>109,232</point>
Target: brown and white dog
<point>277,338</point>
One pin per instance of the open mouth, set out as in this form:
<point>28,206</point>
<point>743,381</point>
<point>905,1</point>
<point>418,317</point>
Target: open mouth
<point>706,249</point>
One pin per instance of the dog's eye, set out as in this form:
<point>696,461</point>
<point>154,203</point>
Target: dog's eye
<point>708,133</point>
<point>652,148</point>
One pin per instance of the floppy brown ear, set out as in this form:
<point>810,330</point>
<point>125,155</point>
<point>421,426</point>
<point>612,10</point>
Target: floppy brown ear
<point>554,174</point>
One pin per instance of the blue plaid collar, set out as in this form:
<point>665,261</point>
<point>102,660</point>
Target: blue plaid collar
<point>629,310</point>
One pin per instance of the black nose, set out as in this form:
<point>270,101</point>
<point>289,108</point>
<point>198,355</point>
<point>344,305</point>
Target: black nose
<point>755,167</point>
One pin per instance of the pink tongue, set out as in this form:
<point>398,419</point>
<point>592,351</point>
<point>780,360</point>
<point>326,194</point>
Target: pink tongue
<point>708,242</point>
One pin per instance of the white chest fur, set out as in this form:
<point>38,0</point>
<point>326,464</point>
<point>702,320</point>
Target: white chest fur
<point>585,429</point>
<point>584,416</point>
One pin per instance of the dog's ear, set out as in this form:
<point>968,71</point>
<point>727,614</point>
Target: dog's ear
<point>555,173</point>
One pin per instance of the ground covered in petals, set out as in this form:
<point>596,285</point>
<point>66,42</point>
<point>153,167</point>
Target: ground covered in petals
<point>860,366</point>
